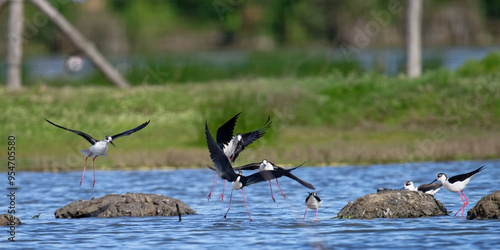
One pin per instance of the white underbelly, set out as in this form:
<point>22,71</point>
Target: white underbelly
<point>99,148</point>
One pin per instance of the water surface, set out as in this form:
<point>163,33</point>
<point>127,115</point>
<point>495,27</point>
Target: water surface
<point>275,225</point>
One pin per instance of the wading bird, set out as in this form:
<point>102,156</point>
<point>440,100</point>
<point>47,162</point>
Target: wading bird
<point>226,171</point>
<point>426,188</point>
<point>266,165</point>
<point>457,183</point>
<point>312,202</point>
<point>232,146</point>
<point>98,148</point>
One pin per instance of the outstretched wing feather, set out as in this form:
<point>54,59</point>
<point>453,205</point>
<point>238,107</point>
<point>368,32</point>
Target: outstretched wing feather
<point>221,163</point>
<point>130,131</point>
<point>87,137</point>
<point>225,132</point>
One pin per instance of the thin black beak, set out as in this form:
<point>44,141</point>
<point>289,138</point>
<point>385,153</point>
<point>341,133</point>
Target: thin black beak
<point>112,144</point>
<point>433,181</point>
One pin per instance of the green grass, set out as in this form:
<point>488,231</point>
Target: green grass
<point>327,119</point>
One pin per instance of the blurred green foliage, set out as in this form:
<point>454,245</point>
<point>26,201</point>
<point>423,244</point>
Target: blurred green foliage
<point>478,68</point>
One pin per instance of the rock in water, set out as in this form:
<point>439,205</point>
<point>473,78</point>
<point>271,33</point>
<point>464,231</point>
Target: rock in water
<point>129,204</point>
<point>9,220</point>
<point>486,208</point>
<point>393,204</point>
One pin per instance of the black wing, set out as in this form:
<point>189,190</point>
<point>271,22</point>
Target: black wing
<point>263,176</point>
<point>251,166</point>
<point>128,132</point>
<point>248,138</point>
<point>428,187</point>
<point>463,177</point>
<point>84,135</point>
<point>225,132</point>
<point>304,183</point>
<point>292,176</point>
<point>221,163</point>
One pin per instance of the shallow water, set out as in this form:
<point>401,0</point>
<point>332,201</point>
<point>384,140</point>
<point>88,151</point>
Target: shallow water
<point>275,225</point>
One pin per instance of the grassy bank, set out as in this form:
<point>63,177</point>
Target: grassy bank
<point>336,118</point>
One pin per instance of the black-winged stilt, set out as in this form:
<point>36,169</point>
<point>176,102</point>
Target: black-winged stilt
<point>98,148</point>
<point>266,165</point>
<point>457,183</point>
<point>312,202</point>
<point>233,145</point>
<point>226,171</point>
<point>426,188</point>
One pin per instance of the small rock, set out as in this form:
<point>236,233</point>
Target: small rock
<point>9,220</point>
<point>393,204</point>
<point>129,204</point>
<point>486,208</point>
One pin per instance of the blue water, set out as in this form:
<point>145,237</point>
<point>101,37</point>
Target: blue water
<point>275,225</point>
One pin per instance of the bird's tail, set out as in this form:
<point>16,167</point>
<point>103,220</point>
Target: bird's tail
<point>86,152</point>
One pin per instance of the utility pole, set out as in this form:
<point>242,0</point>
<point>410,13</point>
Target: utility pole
<point>413,38</point>
<point>81,42</point>
<point>15,44</point>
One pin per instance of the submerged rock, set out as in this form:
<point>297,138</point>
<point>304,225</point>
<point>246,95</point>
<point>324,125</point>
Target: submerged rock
<point>393,204</point>
<point>486,208</point>
<point>129,204</point>
<point>9,220</point>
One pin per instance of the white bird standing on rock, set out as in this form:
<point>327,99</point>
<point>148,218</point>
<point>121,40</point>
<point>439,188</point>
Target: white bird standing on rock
<point>457,183</point>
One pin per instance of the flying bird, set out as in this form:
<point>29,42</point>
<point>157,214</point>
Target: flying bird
<point>98,148</point>
<point>232,146</point>
<point>226,171</point>
<point>266,165</point>
<point>457,183</point>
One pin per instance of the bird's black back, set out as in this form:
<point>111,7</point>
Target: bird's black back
<point>428,187</point>
<point>463,177</point>
<point>263,176</point>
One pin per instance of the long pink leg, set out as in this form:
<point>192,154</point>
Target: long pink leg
<point>93,167</point>
<point>210,194</point>
<point>84,167</point>
<point>317,210</point>
<point>304,215</point>
<point>280,188</point>
<point>463,206</point>
<point>230,198</point>
<point>221,198</point>
<point>246,204</point>
<point>271,187</point>
<point>466,202</point>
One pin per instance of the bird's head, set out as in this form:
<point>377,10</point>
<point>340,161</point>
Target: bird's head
<point>108,139</point>
<point>440,177</point>
<point>313,193</point>
<point>408,186</point>
<point>239,137</point>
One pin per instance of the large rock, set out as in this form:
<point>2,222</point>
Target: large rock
<point>393,204</point>
<point>486,208</point>
<point>9,220</point>
<point>129,204</point>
